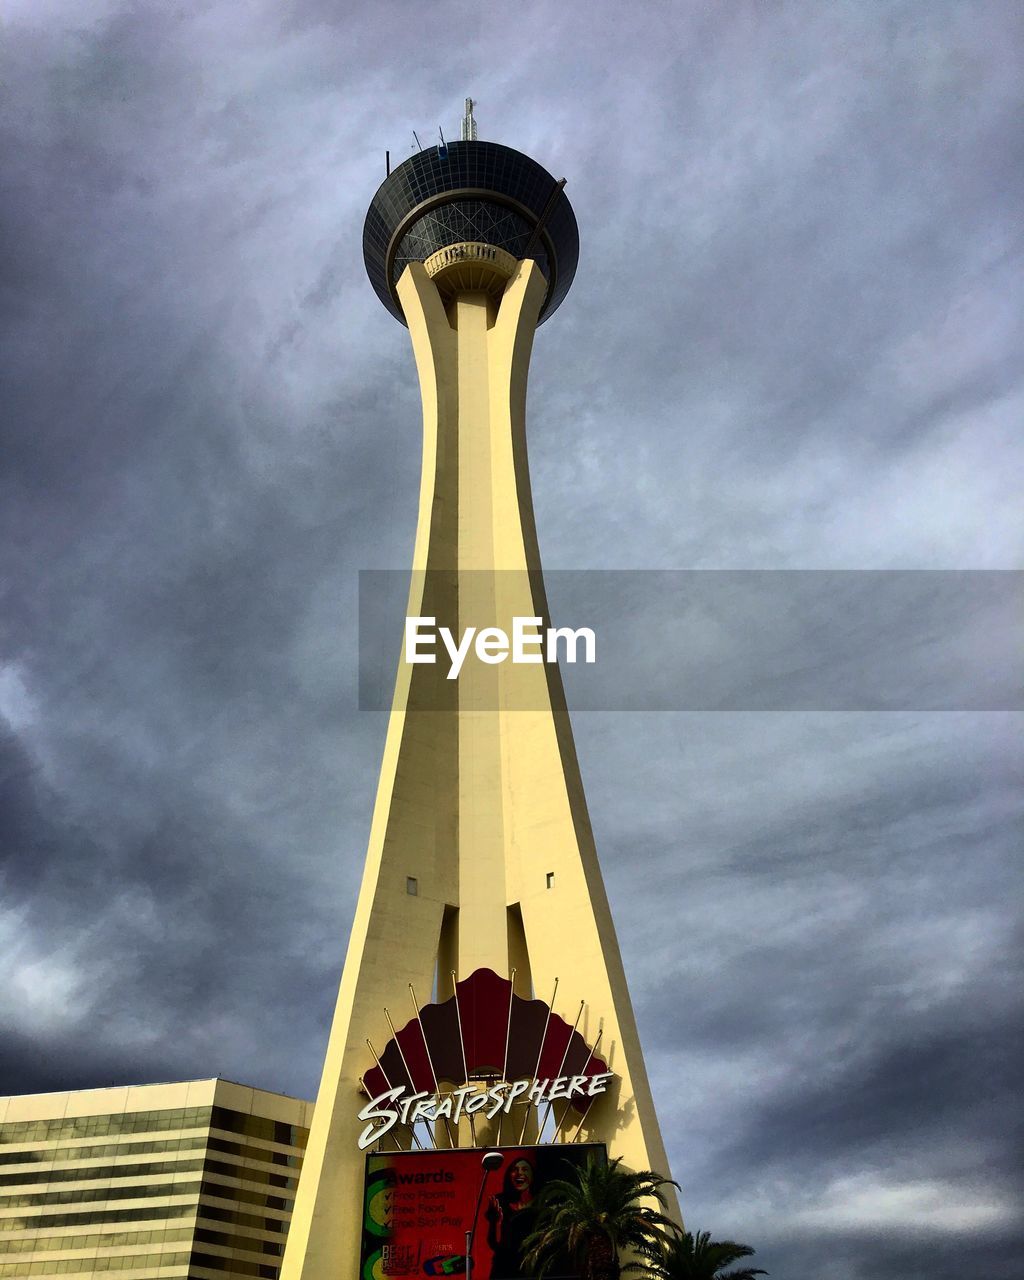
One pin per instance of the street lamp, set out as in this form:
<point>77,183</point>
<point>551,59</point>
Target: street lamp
<point>491,1160</point>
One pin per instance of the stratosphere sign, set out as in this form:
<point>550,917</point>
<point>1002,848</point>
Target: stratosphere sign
<point>402,1106</point>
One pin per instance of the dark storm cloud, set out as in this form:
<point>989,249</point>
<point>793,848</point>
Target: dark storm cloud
<point>921,1256</point>
<point>887,1101</point>
<point>834,1038</point>
<point>793,342</point>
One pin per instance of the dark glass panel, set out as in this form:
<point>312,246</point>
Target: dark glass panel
<point>87,1172</point>
<point>89,1217</point>
<point>211,1187</point>
<point>257,1127</point>
<point>466,220</point>
<point>254,1153</point>
<point>140,1192</point>
<point>78,1266</point>
<point>249,1174</point>
<point>214,1262</point>
<point>215,1213</point>
<point>228,1240</point>
<point>90,1126</point>
<point>196,1143</point>
<point>104,1240</point>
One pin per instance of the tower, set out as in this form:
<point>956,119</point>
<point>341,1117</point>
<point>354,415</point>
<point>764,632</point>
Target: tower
<point>481,893</point>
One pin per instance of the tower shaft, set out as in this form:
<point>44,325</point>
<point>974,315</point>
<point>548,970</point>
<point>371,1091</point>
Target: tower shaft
<point>481,853</point>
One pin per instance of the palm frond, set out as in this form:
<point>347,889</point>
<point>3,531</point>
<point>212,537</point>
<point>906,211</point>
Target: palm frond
<point>689,1256</point>
<point>588,1218</point>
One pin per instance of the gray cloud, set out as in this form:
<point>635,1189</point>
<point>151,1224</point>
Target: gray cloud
<point>793,342</point>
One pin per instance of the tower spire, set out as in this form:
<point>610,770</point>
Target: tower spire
<point>468,123</point>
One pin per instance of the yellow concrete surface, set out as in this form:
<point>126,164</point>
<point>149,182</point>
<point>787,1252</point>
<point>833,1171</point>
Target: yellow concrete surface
<point>122,1099</point>
<point>480,797</point>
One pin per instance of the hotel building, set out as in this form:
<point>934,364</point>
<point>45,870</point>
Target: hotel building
<point>153,1182</point>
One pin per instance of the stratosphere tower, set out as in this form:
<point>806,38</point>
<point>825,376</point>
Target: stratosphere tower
<point>482,907</point>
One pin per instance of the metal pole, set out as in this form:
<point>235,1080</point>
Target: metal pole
<point>492,1160</point>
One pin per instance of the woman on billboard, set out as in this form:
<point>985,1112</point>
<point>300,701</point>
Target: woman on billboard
<point>510,1219</point>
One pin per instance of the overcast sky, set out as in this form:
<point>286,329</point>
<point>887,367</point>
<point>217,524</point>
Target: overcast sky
<point>794,342</point>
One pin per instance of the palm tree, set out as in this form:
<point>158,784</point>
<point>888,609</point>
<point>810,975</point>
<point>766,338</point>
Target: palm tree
<point>589,1217</point>
<point>695,1257</point>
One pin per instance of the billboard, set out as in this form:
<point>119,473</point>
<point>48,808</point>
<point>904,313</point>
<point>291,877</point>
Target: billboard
<point>418,1206</point>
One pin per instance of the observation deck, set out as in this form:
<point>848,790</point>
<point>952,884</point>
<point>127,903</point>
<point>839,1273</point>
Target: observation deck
<point>470,193</point>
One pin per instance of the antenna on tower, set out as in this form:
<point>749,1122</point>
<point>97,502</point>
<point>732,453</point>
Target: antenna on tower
<point>468,123</point>
<point>419,145</point>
